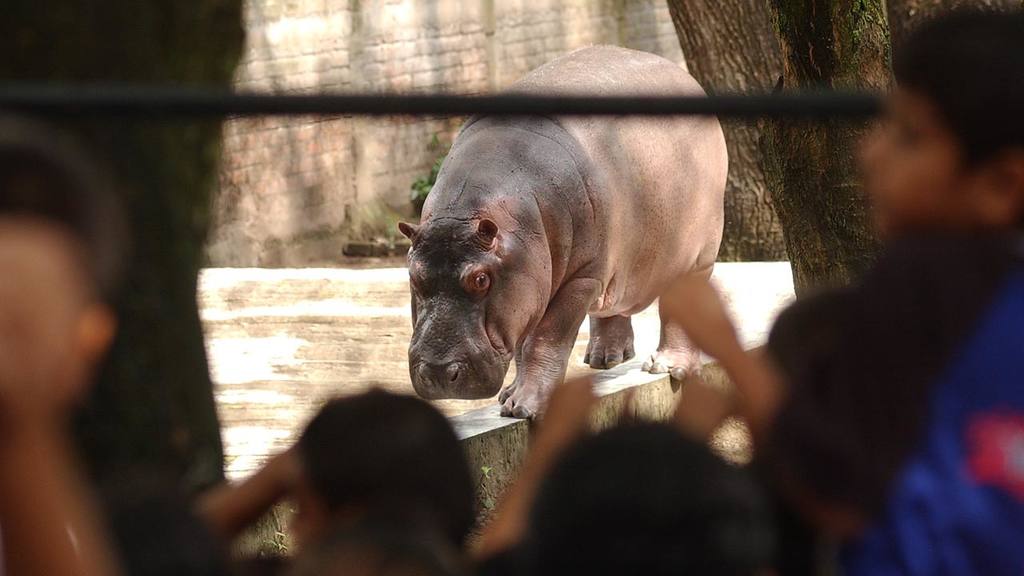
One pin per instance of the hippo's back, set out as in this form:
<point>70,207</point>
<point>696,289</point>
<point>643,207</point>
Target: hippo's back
<point>658,182</point>
<point>608,71</point>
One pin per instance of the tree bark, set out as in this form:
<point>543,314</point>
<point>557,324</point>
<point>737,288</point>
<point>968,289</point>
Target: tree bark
<point>905,14</point>
<point>153,403</point>
<point>811,166</point>
<point>729,47</point>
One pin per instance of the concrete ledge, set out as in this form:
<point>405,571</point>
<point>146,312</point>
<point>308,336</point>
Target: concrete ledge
<point>496,446</point>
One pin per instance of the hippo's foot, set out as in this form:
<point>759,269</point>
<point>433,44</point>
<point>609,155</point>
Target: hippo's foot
<point>507,391</point>
<point>611,342</point>
<point>520,400</point>
<point>677,363</point>
<point>676,355</point>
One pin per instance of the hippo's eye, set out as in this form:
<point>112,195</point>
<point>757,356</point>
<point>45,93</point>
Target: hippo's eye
<point>479,282</point>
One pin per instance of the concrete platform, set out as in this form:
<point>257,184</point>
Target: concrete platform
<point>280,341</point>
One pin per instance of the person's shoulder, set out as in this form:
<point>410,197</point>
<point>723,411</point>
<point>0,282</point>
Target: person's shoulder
<point>810,314</point>
<point>940,271</point>
<point>505,563</point>
<point>901,267</point>
<point>262,566</point>
<point>923,285</point>
<point>949,252</point>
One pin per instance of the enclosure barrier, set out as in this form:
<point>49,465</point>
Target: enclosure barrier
<point>158,102</point>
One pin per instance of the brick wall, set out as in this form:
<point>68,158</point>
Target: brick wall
<point>290,189</point>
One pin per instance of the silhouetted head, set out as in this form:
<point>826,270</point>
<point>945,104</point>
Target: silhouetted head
<point>642,499</point>
<point>61,251</point>
<point>376,547</point>
<point>154,529</point>
<point>391,456</point>
<point>48,179</point>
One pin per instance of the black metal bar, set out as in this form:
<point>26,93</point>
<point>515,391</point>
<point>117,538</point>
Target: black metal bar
<point>168,101</point>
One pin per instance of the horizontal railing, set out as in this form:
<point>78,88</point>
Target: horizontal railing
<point>186,102</point>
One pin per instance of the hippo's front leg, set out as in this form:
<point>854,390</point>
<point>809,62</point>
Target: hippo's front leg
<point>542,362</point>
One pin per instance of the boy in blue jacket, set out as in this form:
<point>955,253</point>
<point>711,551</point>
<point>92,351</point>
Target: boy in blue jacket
<point>891,413</point>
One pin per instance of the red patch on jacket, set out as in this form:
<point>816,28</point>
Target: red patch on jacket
<point>995,443</point>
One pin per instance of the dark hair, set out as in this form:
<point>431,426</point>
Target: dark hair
<point>379,547</point>
<point>44,175</point>
<point>969,63</point>
<point>394,455</point>
<point>642,499</point>
<point>154,529</point>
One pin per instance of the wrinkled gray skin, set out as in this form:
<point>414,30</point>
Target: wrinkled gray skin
<point>534,223</point>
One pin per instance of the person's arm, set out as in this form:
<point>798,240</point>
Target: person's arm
<point>702,409</point>
<point>565,421</point>
<point>50,524</point>
<point>695,305</point>
<point>229,509</point>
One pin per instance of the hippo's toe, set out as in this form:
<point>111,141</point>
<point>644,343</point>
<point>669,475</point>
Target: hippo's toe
<point>521,403</point>
<point>603,359</point>
<point>678,364</point>
<point>655,365</point>
<point>506,392</point>
<point>611,342</point>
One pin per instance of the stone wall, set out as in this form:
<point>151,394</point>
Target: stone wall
<point>293,188</point>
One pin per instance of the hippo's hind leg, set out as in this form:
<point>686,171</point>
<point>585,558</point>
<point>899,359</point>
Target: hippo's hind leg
<point>611,342</point>
<point>676,355</point>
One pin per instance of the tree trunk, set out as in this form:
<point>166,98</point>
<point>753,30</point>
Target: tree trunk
<point>811,166</point>
<point>905,14</point>
<point>729,47</point>
<point>153,404</point>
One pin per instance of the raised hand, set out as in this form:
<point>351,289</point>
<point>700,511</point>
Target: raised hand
<point>694,304</point>
<point>566,420</point>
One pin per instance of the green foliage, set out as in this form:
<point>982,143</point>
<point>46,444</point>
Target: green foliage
<point>488,502</point>
<point>373,222</point>
<point>422,186</point>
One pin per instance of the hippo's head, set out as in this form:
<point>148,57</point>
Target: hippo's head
<point>474,295</point>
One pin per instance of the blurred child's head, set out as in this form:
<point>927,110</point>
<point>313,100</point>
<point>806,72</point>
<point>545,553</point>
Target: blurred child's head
<point>950,154</point>
<point>60,248</point>
<point>643,499</point>
<point>155,531</point>
<point>389,455</point>
<point>374,548</point>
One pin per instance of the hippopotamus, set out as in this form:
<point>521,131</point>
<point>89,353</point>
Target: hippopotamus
<point>536,222</point>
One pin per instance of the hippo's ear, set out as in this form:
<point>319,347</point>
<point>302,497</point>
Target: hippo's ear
<point>486,232</point>
<point>408,230</point>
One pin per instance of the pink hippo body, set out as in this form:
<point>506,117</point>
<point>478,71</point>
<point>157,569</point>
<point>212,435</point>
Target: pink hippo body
<point>535,223</point>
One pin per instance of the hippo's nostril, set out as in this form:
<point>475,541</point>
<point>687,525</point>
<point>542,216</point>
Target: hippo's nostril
<point>453,371</point>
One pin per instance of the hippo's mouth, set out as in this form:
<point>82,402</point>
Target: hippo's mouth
<point>472,380</point>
